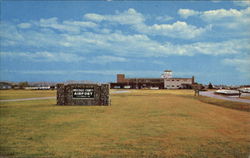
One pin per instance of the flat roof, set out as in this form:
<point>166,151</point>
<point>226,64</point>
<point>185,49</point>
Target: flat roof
<point>158,78</point>
<point>145,78</point>
<point>178,78</point>
<point>167,71</point>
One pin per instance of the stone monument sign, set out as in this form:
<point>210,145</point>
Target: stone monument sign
<point>83,94</point>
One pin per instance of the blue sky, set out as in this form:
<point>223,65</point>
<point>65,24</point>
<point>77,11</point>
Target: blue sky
<point>95,40</point>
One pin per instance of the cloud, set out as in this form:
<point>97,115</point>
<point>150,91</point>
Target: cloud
<point>79,38</point>
<point>24,25</point>
<point>219,48</point>
<point>137,20</point>
<point>214,15</point>
<point>231,19</point>
<point>117,43</point>
<point>107,59</point>
<point>129,17</point>
<point>226,18</point>
<point>43,56</point>
<point>64,26</point>
<point>94,17</point>
<point>178,29</point>
<point>185,13</point>
<point>242,3</point>
<point>241,64</point>
<point>164,18</point>
<point>81,23</point>
<point>53,23</point>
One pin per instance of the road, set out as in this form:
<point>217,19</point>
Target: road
<point>25,99</point>
<point>230,98</point>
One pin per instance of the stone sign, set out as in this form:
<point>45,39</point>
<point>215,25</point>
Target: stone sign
<point>83,94</point>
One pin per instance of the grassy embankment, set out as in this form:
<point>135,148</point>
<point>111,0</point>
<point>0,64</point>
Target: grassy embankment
<point>138,124</point>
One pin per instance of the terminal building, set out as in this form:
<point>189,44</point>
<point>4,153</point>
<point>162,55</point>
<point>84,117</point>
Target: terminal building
<point>166,81</point>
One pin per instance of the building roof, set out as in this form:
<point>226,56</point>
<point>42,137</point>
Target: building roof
<point>167,71</point>
<point>178,78</point>
<point>146,78</point>
<point>157,78</point>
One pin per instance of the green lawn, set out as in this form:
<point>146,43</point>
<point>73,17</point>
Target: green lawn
<point>145,123</point>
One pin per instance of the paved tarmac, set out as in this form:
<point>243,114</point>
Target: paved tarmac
<point>230,98</point>
<point>115,92</point>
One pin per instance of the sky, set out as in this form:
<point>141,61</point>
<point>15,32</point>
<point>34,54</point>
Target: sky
<point>95,40</point>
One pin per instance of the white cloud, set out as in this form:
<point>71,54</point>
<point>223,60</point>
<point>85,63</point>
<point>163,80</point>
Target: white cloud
<point>129,17</point>
<point>94,17</point>
<point>226,18</point>
<point>118,44</point>
<point>185,13</point>
<point>24,25</point>
<point>240,64</point>
<point>65,26</point>
<point>242,3</point>
<point>81,23</point>
<point>136,21</point>
<point>107,59</point>
<point>214,15</point>
<point>164,18</point>
<point>231,19</point>
<point>53,23</point>
<point>44,56</point>
<point>219,48</point>
<point>178,29</point>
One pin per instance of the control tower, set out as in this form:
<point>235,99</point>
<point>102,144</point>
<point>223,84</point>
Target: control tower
<point>167,74</point>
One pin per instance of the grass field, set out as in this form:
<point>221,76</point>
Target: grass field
<point>246,97</point>
<point>145,123</point>
<point>18,94</point>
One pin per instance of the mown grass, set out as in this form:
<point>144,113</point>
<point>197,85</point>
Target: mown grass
<point>213,101</point>
<point>144,123</point>
<point>245,97</point>
<point>18,94</point>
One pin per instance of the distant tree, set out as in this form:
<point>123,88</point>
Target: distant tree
<point>210,86</point>
<point>22,85</point>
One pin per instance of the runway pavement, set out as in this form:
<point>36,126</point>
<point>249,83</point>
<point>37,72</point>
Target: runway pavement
<point>230,98</point>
